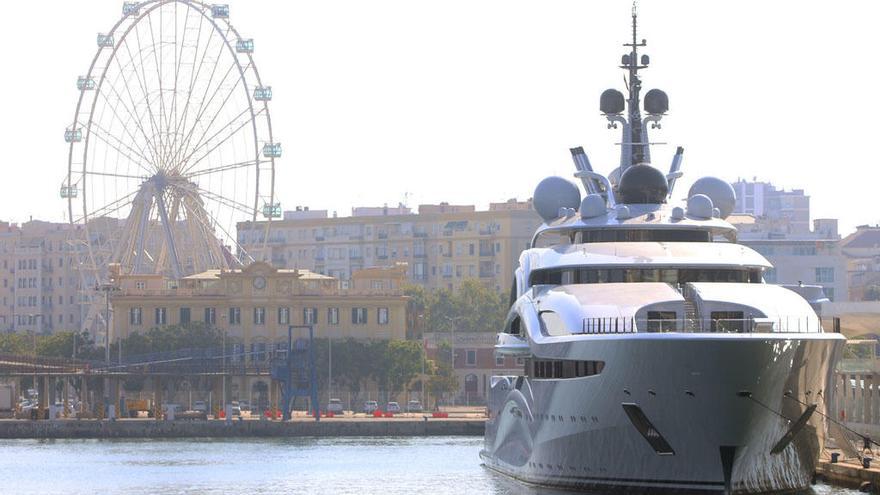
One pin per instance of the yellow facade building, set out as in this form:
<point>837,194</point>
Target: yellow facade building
<point>255,306</point>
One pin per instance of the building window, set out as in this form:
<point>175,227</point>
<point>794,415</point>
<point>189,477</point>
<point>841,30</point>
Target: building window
<point>382,316</point>
<point>470,357</point>
<point>210,316</point>
<point>829,293</point>
<point>235,316</point>
<point>258,351</point>
<point>310,316</point>
<point>161,316</point>
<point>284,316</point>
<point>359,316</point>
<point>140,285</point>
<point>185,316</point>
<point>135,316</point>
<point>259,316</point>
<point>824,274</point>
<point>333,316</point>
<point>499,361</point>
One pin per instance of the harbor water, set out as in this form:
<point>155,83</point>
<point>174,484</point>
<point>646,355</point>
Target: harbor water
<point>387,466</point>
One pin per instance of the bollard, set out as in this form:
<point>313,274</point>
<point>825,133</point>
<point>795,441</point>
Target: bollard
<point>834,457</point>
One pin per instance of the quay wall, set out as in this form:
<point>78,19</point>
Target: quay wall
<point>72,428</point>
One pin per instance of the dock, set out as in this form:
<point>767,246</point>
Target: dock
<point>329,427</point>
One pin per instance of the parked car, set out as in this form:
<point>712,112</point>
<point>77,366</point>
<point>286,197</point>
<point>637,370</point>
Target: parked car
<point>414,406</point>
<point>200,405</point>
<point>392,407</point>
<point>371,406</point>
<point>335,406</point>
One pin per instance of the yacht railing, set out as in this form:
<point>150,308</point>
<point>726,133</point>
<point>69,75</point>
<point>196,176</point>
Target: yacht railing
<point>623,325</point>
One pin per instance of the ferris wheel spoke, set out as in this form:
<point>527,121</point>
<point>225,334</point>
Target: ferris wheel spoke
<point>118,176</point>
<point>109,208</point>
<point>205,129</point>
<point>178,57</point>
<point>192,79</point>
<point>133,111</point>
<point>158,65</point>
<point>224,168</point>
<point>229,203</point>
<point>105,137</point>
<point>204,103</point>
<point>203,107</point>
<point>142,83</point>
<point>189,166</point>
<point>125,127</point>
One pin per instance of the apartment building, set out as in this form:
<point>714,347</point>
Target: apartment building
<point>785,211</point>
<point>40,288</point>
<point>813,257</point>
<point>442,244</point>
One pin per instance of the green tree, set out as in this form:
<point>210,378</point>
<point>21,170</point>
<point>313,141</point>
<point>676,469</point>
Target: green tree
<point>404,360</point>
<point>472,308</point>
<point>13,343</point>
<point>442,379</point>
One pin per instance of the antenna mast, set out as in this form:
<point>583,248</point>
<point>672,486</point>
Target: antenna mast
<point>632,64</point>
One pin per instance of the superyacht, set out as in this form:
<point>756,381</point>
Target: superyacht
<point>656,357</point>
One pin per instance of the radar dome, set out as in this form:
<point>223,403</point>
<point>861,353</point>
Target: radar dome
<point>720,192</point>
<point>554,193</point>
<point>642,184</point>
<point>700,206</point>
<point>593,206</point>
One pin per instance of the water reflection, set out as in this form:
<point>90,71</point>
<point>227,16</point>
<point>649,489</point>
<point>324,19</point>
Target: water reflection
<point>338,466</point>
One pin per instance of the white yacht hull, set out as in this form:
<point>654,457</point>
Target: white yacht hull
<point>709,396</point>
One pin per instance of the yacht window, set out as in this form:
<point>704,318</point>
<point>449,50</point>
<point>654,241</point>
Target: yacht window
<point>554,238</point>
<point>552,324</point>
<point>662,321</point>
<point>562,368</point>
<point>577,275</point>
<point>727,321</point>
<point>642,235</point>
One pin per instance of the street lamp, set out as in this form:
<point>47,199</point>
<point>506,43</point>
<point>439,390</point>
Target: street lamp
<point>452,321</point>
<point>223,372</point>
<point>106,288</point>
<point>32,320</point>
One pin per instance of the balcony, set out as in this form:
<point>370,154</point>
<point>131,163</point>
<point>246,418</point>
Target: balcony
<point>420,235</point>
<point>487,252</point>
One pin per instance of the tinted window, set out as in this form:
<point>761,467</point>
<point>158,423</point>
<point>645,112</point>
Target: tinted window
<point>577,275</point>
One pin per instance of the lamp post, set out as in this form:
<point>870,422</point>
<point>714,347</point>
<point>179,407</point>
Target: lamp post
<point>106,288</point>
<point>223,372</point>
<point>452,321</point>
<point>32,319</point>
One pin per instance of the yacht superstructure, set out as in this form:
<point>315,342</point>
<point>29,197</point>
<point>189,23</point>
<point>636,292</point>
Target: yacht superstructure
<point>656,358</point>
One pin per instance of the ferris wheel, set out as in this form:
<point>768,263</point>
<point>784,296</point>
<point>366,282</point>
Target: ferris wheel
<point>171,145</point>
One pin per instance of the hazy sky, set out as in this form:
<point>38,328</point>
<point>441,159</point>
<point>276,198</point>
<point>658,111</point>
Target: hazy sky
<point>474,101</point>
